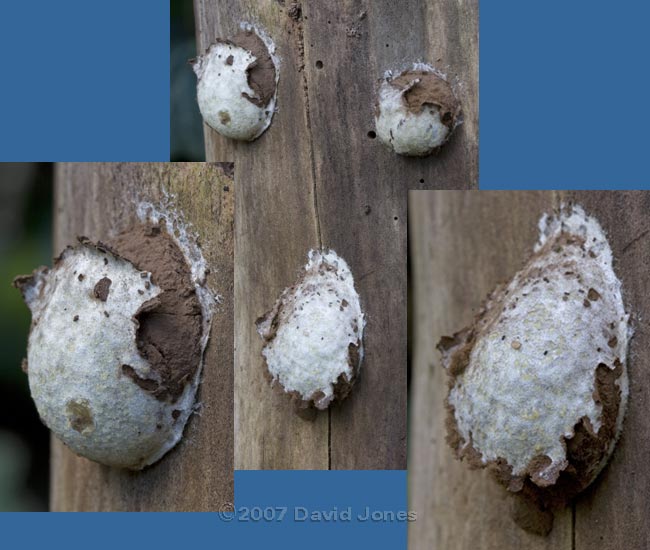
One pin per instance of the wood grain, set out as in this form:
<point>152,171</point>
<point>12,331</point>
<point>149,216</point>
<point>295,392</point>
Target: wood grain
<point>98,200</point>
<point>614,512</point>
<point>316,179</point>
<point>463,244</point>
<point>275,227</point>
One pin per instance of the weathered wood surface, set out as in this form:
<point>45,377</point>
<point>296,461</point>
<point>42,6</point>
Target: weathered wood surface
<point>462,245</point>
<point>97,200</point>
<point>316,178</point>
<point>614,513</point>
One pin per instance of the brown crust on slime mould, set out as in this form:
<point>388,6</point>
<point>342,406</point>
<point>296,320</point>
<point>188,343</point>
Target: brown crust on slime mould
<point>261,73</point>
<point>25,282</point>
<point>169,331</point>
<point>80,415</point>
<point>145,383</point>
<point>427,88</point>
<point>21,282</point>
<point>586,450</point>
<point>102,288</point>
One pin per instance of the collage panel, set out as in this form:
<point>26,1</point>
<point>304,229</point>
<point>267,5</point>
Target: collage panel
<point>330,115</point>
<point>356,418</point>
<point>529,385</point>
<point>130,349</point>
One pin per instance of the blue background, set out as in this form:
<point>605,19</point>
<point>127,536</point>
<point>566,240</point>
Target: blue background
<point>84,80</point>
<point>313,490</point>
<point>564,94</point>
<point>563,104</point>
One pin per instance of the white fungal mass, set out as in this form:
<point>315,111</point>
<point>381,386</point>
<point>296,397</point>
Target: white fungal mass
<point>89,381</point>
<point>313,327</point>
<point>224,94</point>
<point>531,372</point>
<point>408,133</point>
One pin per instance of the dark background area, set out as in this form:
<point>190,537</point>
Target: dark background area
<point>185,118</point>
<point>25,243</point>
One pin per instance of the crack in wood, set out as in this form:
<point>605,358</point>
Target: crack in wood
<point>329,439</point>
<point>634,241</point>
<point>573,527</point>
<point>300,38</point>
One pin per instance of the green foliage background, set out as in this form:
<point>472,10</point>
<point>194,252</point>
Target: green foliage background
<point>185,118</point>
<point>25,243</point>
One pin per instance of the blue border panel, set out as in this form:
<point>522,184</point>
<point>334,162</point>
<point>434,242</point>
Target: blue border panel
<point>84,80</point>
<point>564,94</point>
<point>273,509</point>
<point>324,509</point>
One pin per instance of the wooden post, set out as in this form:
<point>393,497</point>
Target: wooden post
<point>317,179</point>
<point>98,200</point>
<point>462,245</point>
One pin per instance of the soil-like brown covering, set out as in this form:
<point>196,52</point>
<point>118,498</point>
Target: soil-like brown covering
<point>170,325</point>
<point>102,288</point>
<point>427,88</point>
<point>261,73</point>
<point>169,332</point>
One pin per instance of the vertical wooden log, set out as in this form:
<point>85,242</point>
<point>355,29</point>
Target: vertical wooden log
<point>317,178</point>
<point>98,200</point>
<point>275,227</point>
